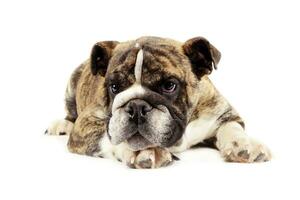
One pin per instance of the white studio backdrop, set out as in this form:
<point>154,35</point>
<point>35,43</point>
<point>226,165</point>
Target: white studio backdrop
<point>41,42</point>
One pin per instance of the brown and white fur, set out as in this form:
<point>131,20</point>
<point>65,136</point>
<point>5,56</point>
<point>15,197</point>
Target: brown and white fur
<point>119,104</point>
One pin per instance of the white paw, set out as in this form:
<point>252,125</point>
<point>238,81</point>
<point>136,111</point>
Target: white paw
<point>246,150</point>
<point>60,127</point>
<point>148,158</point>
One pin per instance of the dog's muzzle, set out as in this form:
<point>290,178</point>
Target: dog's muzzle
<point>142,125</point>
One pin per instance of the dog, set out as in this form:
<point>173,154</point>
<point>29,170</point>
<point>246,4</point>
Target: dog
<point>142,101</point>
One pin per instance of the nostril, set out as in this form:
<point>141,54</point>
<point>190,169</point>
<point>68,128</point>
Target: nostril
<point>144,110</point>
<point>129,109</point>
<point>131,112</point>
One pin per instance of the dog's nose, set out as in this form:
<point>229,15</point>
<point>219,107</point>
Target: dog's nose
<point>137,110</point>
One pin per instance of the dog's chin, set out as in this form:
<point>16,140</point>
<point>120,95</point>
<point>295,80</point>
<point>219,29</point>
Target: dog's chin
<point>137,142</point>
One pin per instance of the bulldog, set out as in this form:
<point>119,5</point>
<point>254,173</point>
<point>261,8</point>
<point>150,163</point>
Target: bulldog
<point>142,101</point>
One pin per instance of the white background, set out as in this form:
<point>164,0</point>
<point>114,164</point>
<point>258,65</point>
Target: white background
<point>42,42</point>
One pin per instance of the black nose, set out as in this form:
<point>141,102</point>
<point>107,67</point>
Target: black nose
<point>137,110</point>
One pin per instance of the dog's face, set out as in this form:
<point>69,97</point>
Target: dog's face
<point>151,84</point>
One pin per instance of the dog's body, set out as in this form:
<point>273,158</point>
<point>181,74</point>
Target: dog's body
<point>140,101</point>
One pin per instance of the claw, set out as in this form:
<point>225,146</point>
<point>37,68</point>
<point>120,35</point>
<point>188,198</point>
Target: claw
<point>175,157</point>
<point>152,157</point>
<point>132,160</point>
<point>260,157</point>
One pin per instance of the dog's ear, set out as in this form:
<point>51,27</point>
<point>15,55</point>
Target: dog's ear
<point>203,55</point>
<point>101,53</point>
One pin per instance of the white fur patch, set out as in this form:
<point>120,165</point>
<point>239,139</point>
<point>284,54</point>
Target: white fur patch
<point>197,131</point>
<point>60,126</point>
<point>139,66</point>
<point>232,141</point>
<point>229,132</point>
<point>108,150</point>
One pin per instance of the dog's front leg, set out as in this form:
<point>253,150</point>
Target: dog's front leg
<point>88,130</point>
<point>236,146</point>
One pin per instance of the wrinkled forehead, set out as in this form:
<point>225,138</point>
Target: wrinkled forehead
<point>148,61</point>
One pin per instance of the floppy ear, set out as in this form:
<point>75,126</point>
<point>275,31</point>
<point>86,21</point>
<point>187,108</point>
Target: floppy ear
<point>203,55</point>
<point>101,53</point>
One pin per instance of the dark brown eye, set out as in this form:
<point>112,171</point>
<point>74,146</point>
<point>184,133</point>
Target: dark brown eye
<point>114,88</point>
<point>169,86</point>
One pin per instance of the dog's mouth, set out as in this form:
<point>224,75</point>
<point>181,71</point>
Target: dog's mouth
<point>138,142</point>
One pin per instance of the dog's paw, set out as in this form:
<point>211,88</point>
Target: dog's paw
<point>149,158</point>
<point>245,150</point>
<point>60,127</point>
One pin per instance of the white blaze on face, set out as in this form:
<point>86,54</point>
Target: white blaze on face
<point>139,66</point>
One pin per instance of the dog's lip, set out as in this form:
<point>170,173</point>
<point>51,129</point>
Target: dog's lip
<point>137,138</point>
<point>137,135</point>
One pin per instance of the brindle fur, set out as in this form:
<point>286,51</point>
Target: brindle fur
<point>87,94</point>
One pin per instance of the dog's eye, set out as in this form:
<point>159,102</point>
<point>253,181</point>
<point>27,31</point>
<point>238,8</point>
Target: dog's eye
<point>169,86</point>
<point>114,88</point>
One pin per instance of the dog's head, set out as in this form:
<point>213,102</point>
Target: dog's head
<point>152,86</point>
